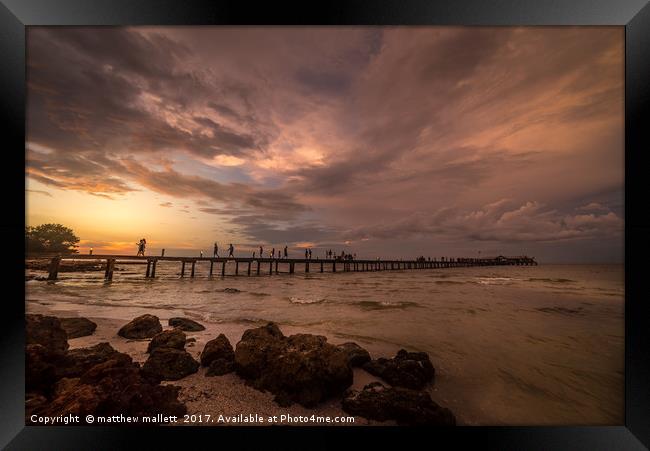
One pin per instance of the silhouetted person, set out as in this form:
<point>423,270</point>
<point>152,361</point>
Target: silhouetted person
<point>310,254</point>
<point>286,252</point>
<point>306,254</point>
<point>141,246</point>
<point>216,250</point>
<point>273,253</point>
<point>253,254</point>
<point>91,251</point>
<point>261,252</point>
<point>231,249</point>
<point>201,254</point>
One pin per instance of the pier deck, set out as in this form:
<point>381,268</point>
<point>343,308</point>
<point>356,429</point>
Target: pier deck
<point>268,266</point>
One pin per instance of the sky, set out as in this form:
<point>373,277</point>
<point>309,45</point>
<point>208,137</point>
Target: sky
<point>390,142</point>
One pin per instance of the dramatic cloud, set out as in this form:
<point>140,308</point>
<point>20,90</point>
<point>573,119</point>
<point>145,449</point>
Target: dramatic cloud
<point>436,137</point>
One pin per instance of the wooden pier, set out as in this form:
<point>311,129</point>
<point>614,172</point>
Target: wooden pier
<point>270,266</point>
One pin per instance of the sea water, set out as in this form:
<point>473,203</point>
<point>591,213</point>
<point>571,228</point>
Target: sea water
<point>511,345</point>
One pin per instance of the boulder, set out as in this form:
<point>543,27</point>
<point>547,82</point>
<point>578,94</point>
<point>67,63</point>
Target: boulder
<point>41,368</point>
<point>186,324</point>
<point>302,368</point>
<point>219,367</point>
<point>357,356</point>
<point>217,349</point>
<point>405,406</point>
<point>78,327</point>
<point>78,361</point>
<point>407,369</point>
<point>169,364</point>
<point>116,386</point>
<point>173,338</point>
<point>145,326</point>
<point>45,331</point>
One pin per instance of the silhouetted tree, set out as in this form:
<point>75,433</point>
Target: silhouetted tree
<point>51,238</point>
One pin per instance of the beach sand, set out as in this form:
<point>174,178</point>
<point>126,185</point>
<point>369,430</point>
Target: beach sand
<point>225,397</point>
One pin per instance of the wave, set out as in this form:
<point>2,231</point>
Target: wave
<point>557,280</point>
<point>382,305</point>
<point>562,310</point>
<point>298,300</point>
<point>449,282</point>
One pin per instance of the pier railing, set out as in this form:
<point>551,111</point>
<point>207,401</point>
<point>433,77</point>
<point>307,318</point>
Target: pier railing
<point>270,266</point>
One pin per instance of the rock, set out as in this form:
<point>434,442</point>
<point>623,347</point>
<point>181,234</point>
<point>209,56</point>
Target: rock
<point>170,364</point>
<point>219,367</point>
<point>145,326</point>
<point>45,331</point>
<point>78,327</point>
<point>357,356</point>
<point>219,348</point>
<point>405,406</point>
<point>116,386</point>
<point>78,361</point>
<point>186,324</point>
<point>301,368</point>
<point>174,338</point>
<point>407,369</point>
<point>41,366</point>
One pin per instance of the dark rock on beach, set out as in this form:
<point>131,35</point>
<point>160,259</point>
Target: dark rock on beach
<point>78,327</point>
<point>186,324</point>
<point>405,406</point>
<point>219,356</point>
<point>219,367</point>
<point>45,331</point>
<point>407,369</point>
<point>219,348</point>
<point>116,386</point>
<point>170,364</point>
<point>357,356</point>
<point>174,338</point>
<point>302,368</point>
<point>98,380</point>
<point>145,326</point>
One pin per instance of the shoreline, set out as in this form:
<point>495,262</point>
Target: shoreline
<point>228,395</point>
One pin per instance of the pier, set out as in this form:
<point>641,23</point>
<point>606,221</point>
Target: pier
<point>270,266</point>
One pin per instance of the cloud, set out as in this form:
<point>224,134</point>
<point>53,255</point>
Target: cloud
<point>501,221</point>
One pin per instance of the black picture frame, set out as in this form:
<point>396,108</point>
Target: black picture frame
<point>634,15</point>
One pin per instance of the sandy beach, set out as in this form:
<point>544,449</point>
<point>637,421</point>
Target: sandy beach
<point>227,399</point>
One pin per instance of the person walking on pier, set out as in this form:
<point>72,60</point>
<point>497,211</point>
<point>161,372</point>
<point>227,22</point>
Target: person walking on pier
<point>306,254</point>
<point>231,250</point>
<point>261,252</point>
<point>216,250</point>
<point>273,253</point>
<point>141,246</point>
<point>310,254</point>
<point>286,252</point>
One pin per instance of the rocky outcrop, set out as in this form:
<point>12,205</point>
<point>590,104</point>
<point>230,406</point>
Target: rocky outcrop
<point>220,367</point>
<point>78,327</point>
<point>45,331</point>
<point>98,380</point>
<point>217,349</point>
<point>169,364</point>
<point>145,326</point>
<point>186,324</point>
<point>116,386</point>
<point>357,356</point>
<point>407,369</point>
<point>301,368</point>
<point>403,405</point>
<point>219,356</point>
<point>173,338</point>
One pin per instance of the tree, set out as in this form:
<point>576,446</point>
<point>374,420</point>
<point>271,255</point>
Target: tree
<point>51,238</point>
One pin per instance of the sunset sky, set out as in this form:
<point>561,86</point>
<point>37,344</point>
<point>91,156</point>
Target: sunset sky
<point>381,141</point>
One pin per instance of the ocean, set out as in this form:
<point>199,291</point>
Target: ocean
<point>516,345</point>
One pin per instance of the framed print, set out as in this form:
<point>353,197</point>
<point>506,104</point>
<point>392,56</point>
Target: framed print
<point>373,219</point>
